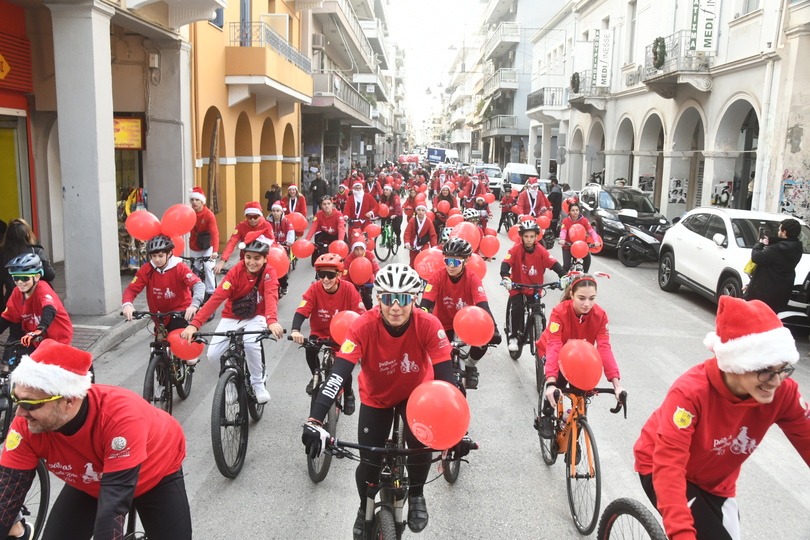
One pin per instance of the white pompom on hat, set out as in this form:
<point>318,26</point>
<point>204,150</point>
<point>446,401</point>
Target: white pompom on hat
<point>197,193</point>
<point>56,369</point>
<point>749,337</point>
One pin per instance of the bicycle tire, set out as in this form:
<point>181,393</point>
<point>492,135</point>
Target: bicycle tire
<point>548,238</point>
<point>229,425</point>
<point>585,486</point>
<point>8,411</point>
<point>507,328</point>
<point>255,409</point>
<point>549,449</point>
<point>183,377</point>
<point>383,248</point>
<point>157,383</point>
<point>628,518</point>
<point>35,507</point>
<point>385,527</point>
<point>318,468</point>
<point>450,469</point>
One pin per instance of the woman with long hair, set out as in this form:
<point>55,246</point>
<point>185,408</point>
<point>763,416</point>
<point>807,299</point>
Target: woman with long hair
<point>19,239</point>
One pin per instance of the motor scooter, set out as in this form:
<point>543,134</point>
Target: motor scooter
<point>797,314</point>
<point>640,245</point>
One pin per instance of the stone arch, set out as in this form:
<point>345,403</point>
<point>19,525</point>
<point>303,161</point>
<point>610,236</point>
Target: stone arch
<point>623,151</point>
<point>576,154</point>
<point>686,159</point>
<point>245,181</point>
<point>595,151</point>
<point>270,168</point>
<point>211,166</point>
<point>737,136</point>
<point>289,165</point>
<point>649,160</point>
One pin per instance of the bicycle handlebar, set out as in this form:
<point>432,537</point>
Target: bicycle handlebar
<point>314,342</point>
<point>536,286</point>
<point>621,404</point>
<point>199,337</point>
<point>339,449</point>
<point>142,314</point>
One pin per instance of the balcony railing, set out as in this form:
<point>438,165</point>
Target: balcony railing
<point>332,83</point>
<point>354,23</point>
<point>503,79</point>
<point>678,57</point>
<point>500,122</point>
<point>506,31</point>
<point>375,29</point>
<point>259,34</point>
<point>547,97</point>
<point>586,88</point>
<point>458,115</point>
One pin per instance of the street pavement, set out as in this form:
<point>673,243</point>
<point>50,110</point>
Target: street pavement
<point>505,491</point>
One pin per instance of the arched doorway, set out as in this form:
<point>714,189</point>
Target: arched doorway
<point>246,183</point>
<point>288,165</point>
<point>212,147</point>
<point>576,155</point>
<point>269,169</point>
<point>649,157</point>
<point>686,165</point>
<point>595,154</point>
<point>623,151</point>
<point>738,134</point>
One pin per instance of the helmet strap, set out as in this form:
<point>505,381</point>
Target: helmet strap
<point>396,331</point>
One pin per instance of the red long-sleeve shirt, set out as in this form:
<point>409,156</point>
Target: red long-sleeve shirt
<point>280,231</point>
<point>166,290</point>
<point>566,226</point>
<point>426,237</point>
<point>525,267</point>
<point>526,207</point>
<point>367,204</point>
<point>320,306</point>
<point>237,283</point>
<point>205,222</point>
<point>239,233</point>
<point>332,224</point>
<point>393,203</point>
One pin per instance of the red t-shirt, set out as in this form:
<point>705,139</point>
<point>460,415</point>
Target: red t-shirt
<point>448,297</point>
<point>528,267</point>
<point>237,283</point>
<point>28,312</point>
<point>702,433</point>
<point>239,233</point>
<point>392,367</point>
<point>121,431</point>
<point>205,222</point>
<point>320,306</point>
<point>566,226</point>
<point>333,225</point>
<point>169,290</point>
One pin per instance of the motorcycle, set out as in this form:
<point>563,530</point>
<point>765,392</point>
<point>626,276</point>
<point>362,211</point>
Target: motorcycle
<point>639,245</point>
<point>797,315</point>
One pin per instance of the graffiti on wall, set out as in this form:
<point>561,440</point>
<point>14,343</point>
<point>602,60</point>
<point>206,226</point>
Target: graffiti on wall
<point>678,188</point>
<point>794,198</point>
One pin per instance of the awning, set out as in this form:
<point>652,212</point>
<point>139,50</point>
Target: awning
<point>480,115</point>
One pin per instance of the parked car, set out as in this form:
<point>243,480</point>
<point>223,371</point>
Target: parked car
<point>608,208</point>
<point>493,172</point>
<point>708,249</point>
<point>518,173</point>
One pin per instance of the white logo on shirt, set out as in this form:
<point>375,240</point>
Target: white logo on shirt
<point>119,443</point>
<point>407,366</point>
<point>741,444</point>
<point>169,293</point>
<point>90,475</point>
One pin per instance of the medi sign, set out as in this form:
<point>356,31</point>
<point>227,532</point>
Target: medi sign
<point>703,29</point>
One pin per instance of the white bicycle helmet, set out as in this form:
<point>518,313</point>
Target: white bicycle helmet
<point>398,278</point>
<point>471,214</point>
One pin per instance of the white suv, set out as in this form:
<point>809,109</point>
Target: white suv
<point>493,172</point>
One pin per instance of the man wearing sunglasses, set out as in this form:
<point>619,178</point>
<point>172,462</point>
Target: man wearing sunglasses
<point>715,415</point>
<point>254,222</point>
<point>33,311</point>
<point>109,446</point>
<point>398,348</point>
<point>323,300</point>
<point>453,288</point>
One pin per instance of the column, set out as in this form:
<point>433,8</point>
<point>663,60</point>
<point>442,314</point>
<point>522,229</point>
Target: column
<point>81,42</point>
<point>546,152</point>
<point>718,169</point>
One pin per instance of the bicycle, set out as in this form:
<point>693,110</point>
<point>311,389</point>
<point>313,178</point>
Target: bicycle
<point>574,437</point>
<point>535,321</point>
<point>164,369</point>
<point>628,519</point>
<point>291,255</point>
<point>197,265</point>
<point>233,400</point>
<point>577,264</point>
<point>35,505</point>
<point>387,243</point>
<point>508,218</point>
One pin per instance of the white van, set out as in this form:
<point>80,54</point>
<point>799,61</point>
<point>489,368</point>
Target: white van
<point>518,173</point>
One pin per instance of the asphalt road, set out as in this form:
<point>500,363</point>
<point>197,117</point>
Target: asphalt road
<point>506,491</point>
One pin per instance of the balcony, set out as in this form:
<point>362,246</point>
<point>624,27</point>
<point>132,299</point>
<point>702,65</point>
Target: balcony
<point>503,79</point>
<point>376,79</point>
<point>339,19</point>
<point>459,94</point>
<point>589,97</point>
<point>460,136</point>
<point>546,104</point>
<point>506,36</point>
<point>335,97</point>
<point>183,12</point>
<point>459,115</point>
<point>496,10</point>
<point>681,65</point>
<point>260,62</point>
<point>500,125</point>
<point>376,35</point>
<point>302,5</point>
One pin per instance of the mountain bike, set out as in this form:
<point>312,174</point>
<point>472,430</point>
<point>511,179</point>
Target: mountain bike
<point>387,243</point>
<point>574,437</point>
<point>197,265</point>
<point>628,519</point>
<point>535,320</point>
<point>233,400</point>
<point>508,218</point>
<point>164,369</point>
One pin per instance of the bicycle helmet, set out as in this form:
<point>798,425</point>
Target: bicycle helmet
<point>398,278</point>
<point>457,247</point>
<point>527,226</point>
<point>471,214</point>
<point>329,260</point>
<point>256,246</point>
<point>27,263</point>
<point>446,234</point>
<point>160,242</point>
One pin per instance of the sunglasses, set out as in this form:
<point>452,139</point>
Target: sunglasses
<point>403,299</point>
<point>326,274</point>
<point>253,216</point>
<point>453,262</point>
<point>32,404</point>
<point>25,278</point>
<point>766,375</point>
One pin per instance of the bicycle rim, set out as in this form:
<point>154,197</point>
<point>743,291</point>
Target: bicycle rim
<point>450,469</point>
<point>35,506</point>
<point>383,248</point>
<point>548,447</point>
<point>583,478</point>
<point>157,384</point>
<point>629,519</point>
<point>229,424</point>
<point>8,411</point>
<point>183,377</point>
<point>318,467</point>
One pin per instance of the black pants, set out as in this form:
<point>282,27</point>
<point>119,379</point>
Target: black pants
<point>163,510</point>
<point>313,362</point>
<point>476,353</point>
<point>516,314</point>
<point>396,226</point>
<point>586,262</point>
<point>373,429</point>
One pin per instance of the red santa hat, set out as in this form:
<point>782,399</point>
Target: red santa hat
<point>257,236</point>
<point>749,337</point>
<point>420,205</point>
<point>291,187</point>
<point>253,208</point>
<point>532,180</point>
<point>197,193</point>
<point>56,369</point>
<point>357,184</point>
<point>278,205</point>
<point>341,186</point>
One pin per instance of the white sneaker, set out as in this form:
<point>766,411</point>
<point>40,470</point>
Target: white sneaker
<point>231,394</point>
<point>192,362</point>
<point>262,395</point>
<point>513,345</point>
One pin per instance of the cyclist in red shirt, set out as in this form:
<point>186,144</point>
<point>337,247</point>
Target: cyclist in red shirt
<point>449,290</point>
<point>204,238</point>
<point>575,216</point>
<point>360,207</point>
<point>322,301</point>
<point>359,251</point>
<point>398,348</point>
<point>340,198</point>
<point>110,447</point>
<point>507,202</point>
<point>328,223</point>
<point>282,232</point>
<point>392,200</point>
<point>419,233</point>
<point>254,222</point>
<point>532,201</point>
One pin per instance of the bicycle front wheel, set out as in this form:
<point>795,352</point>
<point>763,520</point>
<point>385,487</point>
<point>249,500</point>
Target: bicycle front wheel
<point>383,248</point>
<point>35,507</point>
<point>7,412</point>
<point>450,469</point>
<point>229,424</point>
<point>157,385</point>
<point>183,375</point>
<point>318,467</point>
<point>628,518</point>
<point>538,324</point>
<point>549,448</point>
<point>385,527</point>
<point>583,478</point>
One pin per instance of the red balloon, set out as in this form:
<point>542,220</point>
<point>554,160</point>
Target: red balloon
<point>579,249</point>
<point>340,325</point>
<point>576,232</point>
<point>598,245</point>
<point>143,225</point>
<point>277,258</point>
<point>490,232</point>
<point>370,244</point>
<point>340,247</point>
<point>360,271</point>
<point>514,233</point>
<point>438,414</point>
<point>477,265</point>
<point>302,248</point>
<point>179,245</point>
<point>527,217</point>
<point>468,232</point>
<point>372,230</point>
<point>474,326</point>
<point>389,179</point>
<point>454,212</point>
<point>420,198</point>
<point>489,246</point>
<point>489,197</point>
<point>516,209</point>
<point>383,210</point>
<point>181,348</point>
<point>423,188</point>
<point>581,364</point>
<point>454,220</point>
<point>549,214</point>
<point>543,221</point>
<point>565,205</point>
<point>428,262</point>
<point>298,221</point>
<point>443,207</point>
<point>514,193</point>
<point>178,220</point>
<point>431,215</point>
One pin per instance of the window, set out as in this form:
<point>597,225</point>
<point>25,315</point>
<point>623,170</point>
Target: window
<point>696,222</point>
<point>219,18</point>
<point>715,226</point>
<point>631,30</point>
<point>749,6</point>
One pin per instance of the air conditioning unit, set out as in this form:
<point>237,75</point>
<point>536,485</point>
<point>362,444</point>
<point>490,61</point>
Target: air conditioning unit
<point>318,42</point>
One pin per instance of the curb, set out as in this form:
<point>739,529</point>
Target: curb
<point>115,335</point>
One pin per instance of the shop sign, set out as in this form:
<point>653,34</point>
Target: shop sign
<point>603,56</point>
<point>128,133</point>
<point>703,29</point>
<point>15,64</point>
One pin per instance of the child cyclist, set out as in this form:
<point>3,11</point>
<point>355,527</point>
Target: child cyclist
<point>577,316</point>
<point>360,251</point>
<point>526,262</point>
<point>170,285</point>
<point>282,232</point>
<point>574,217</point>
<point>254,222</point>
<point>322,301</point>
<point>453,288</point>
<point>251,291</point>
<point>34,311</point>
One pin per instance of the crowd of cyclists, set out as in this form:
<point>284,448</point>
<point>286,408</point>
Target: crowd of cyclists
<point>401,339</point>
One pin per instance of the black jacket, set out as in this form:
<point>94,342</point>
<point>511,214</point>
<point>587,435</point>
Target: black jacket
<point>776,271</point>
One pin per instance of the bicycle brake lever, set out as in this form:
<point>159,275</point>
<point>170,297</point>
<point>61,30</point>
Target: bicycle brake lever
<point>622,404</point>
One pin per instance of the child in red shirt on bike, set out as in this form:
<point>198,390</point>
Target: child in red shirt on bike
<point>254,222</point>
<point>359,251</point>
<point>507,202</point>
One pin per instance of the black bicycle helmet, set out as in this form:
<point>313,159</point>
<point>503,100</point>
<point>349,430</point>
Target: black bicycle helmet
<point>27,263</point>
<point>457,247</point>
<point>257,246</point>
<point>529,225</point>
<point>160,242</point>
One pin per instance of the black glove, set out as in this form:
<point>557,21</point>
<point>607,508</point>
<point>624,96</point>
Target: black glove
<point>314,439</point>
<point>496,338</point>
<point>461,449</point>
